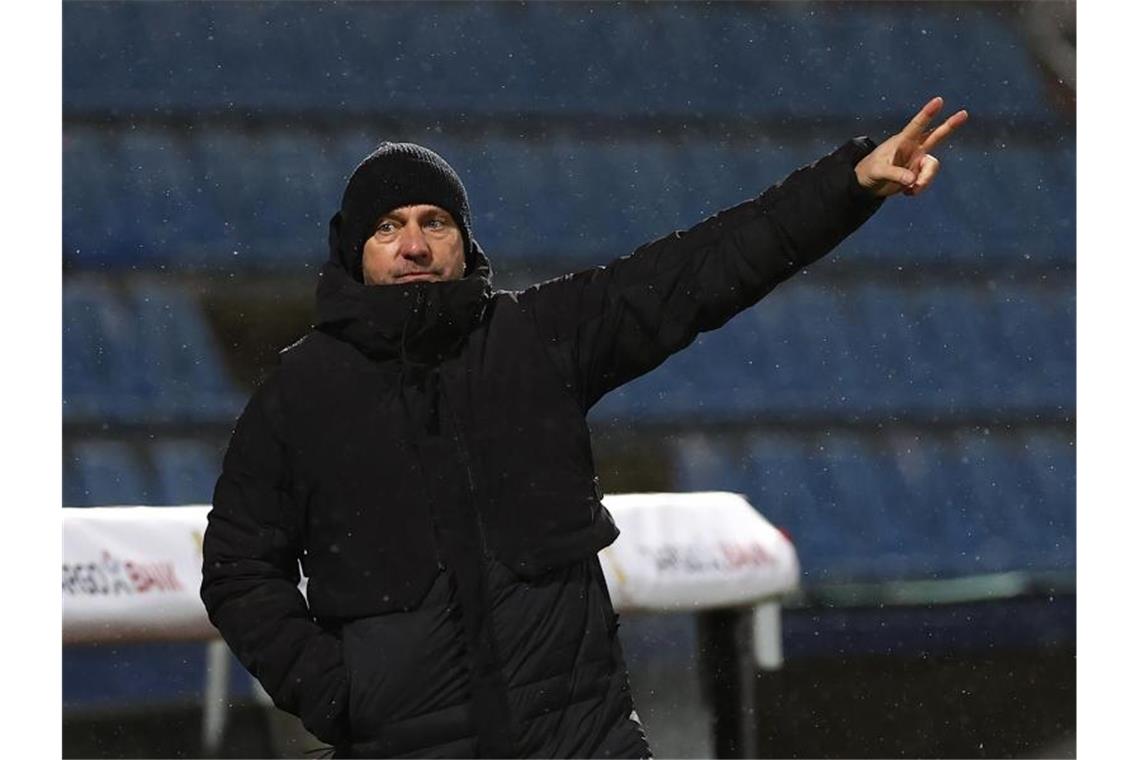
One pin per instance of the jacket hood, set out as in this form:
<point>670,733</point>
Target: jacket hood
<point>418,322</point>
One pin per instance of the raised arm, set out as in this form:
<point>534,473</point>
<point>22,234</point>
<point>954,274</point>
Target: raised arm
<point>608,325</point>
<point>250,575</point>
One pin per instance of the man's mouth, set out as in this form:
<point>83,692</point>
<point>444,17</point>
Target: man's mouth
<point>417,276</point>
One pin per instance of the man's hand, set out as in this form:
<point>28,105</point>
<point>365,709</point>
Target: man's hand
<point>903,162</point>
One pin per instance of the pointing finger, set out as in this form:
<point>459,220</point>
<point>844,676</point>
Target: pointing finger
<point>918,124</point>
<point>944,130</point>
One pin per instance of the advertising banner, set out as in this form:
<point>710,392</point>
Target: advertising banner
<point>690,551</point>
<point>132,573</point>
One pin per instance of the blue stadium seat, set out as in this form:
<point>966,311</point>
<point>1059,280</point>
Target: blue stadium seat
<point>944,324</point>
<point>97,230</point>
<point>1019,200</point>
<point>181,365</point>
<point>789,481</point>
<point>886,347</point>
<point>807,351</point>
<point>924,230</point>
<point>722,61</point>
<point>185,471</point>
<point>1036,331</point>
<point>106,473</point>
<point>785,483</point>
<point>98,49</point>
<point>924,502</point>
<point>868,501</point>
<point>1044,468</point>
<point>998,510</point>
<point>231,199</point>
<point>148,357</point>
<point>968,55</point>
<point>905,506</point>
<point>275,209</point>
<point>794,354</point>
<point>173,217</point>
<point>101,372</point>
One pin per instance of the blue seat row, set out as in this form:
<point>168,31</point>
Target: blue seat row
<point>145,354</point>
<point>229,199</point>
<point>867,352</point>
<point>919,505</point>
<point>805,351</point>
<point>165,472</point>
<point>717,60</point>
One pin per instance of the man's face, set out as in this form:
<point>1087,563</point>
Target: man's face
<point>414,244</point>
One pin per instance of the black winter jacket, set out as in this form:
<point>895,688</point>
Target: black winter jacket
<point>424,455</point>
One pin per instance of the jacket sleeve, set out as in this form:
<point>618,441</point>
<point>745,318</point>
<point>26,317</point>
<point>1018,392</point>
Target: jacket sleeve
<point>608,325</point>
<point>250,554</point>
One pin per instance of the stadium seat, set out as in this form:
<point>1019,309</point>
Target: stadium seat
<point>809,351</point>
<point>923,505</point>
<point>231,199</point>
<point>998,502</point>
<point>145,357</point>
<point>276,211</point>
<point>886,350</point>
<point>181,366</point>
<point>919,505</point>
<point>1036,484</point>
<point>165,196</point>
<point>101,377</point>
<point>106,472</point>
<point>784,483</point>
<point>944,324</point>
<point>185,471</point>
<point>97,231</point>
<point>721,61</point>
<point>1036,331</point>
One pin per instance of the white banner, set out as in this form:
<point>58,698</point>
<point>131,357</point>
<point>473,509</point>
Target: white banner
<point>133,573</point>
<point>688,551</point>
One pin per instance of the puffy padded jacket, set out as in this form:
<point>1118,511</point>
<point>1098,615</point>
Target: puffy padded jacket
<point>423,455</point>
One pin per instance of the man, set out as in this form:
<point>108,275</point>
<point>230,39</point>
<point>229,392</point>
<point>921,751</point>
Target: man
<point>423,452</point>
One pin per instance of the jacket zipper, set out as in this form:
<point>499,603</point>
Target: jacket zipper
<point>466,459</point>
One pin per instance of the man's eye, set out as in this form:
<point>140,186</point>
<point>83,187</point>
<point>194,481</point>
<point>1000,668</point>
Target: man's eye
<point>384,227</point>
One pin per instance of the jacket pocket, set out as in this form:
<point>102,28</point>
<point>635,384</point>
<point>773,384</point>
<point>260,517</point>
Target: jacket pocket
<point>404,665</point>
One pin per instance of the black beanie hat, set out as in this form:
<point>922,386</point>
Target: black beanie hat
<point>395,175</point>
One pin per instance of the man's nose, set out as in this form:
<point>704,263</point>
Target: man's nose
<point>413,244</point>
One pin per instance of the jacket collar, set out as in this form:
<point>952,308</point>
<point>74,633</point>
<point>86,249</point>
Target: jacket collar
<point>417,322</point>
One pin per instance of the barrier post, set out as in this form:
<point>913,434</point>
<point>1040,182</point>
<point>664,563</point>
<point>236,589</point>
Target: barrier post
<point>215,697</point>
<point>728,677</point>
<point>769,686</point>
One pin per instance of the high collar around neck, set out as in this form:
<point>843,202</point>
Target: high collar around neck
<point>417,322</point>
